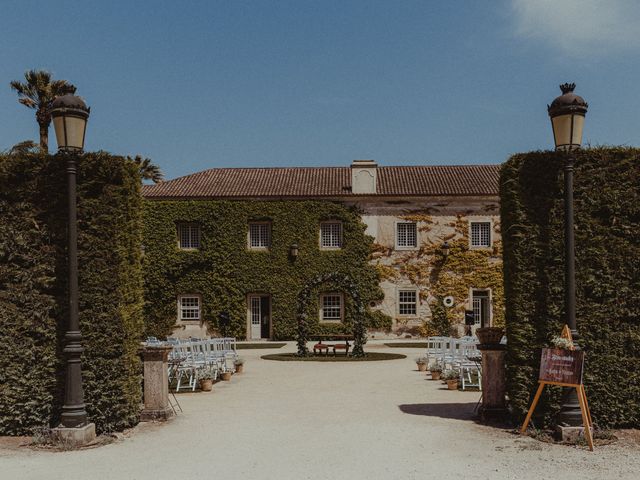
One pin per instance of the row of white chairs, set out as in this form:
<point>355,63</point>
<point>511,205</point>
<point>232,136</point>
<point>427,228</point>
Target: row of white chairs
<point>459,354</point>
<point>191,356</point>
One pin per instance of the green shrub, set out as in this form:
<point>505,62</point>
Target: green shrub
<point>607,226</point>
<point>33,298</point>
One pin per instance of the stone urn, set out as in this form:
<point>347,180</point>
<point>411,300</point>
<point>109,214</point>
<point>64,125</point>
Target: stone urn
<point>489,335</point>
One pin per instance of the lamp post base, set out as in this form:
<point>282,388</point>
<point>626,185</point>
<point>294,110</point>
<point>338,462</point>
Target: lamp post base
<point>75,437</point>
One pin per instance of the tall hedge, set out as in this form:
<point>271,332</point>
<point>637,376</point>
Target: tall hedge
<point>607,226</point>
<point>223,271</point>
<point>33,289</point>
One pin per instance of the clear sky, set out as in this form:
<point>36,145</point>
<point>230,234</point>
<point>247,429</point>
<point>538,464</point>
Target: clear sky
<point>235,83</point>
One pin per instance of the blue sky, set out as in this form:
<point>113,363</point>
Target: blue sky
<point>203,84</point>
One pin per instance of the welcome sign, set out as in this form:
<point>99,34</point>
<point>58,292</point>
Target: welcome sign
<point>561,366</point>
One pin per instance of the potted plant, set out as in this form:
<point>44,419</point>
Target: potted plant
<point>562,343</point>
<point>226,376</point>
<point>436,371</point>
<point>239,364</point>
<point>422,363</point>
<point>205,377</point>
<point>451,377</point>
<point>489,335</point>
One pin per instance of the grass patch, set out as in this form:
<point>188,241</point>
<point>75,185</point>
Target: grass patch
<point>407,345</point>
<point>369,357</point>
<point>257,346</point>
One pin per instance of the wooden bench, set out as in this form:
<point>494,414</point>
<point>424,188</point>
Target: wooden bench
<point>342,346</point>
<point>324,347</point>
<point>320,347</point>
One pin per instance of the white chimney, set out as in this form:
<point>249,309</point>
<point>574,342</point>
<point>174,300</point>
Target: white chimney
<point>364,176</point>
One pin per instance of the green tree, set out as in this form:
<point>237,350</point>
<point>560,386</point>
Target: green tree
<point>440,322</point>
<point>37,92</point>
<point>148,170</point>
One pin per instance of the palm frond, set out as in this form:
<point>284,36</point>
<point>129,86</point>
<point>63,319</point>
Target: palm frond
<point>27,146</point>
<point>148,170</point>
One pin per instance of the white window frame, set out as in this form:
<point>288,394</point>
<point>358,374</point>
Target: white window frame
<point>416,303</point>
<point>192,227</point>
<point>331,223</point>
<point>266,224</point>
<point>489,299</point>
<point>397,236</point>
<point>321,312</point>
<point>180,308</point>
<point>477,222</point>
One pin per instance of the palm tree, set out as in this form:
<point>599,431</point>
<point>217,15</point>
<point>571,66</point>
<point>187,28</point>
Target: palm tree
<point>38,92</point>
<point>27,146</point>
<point>148,171</point>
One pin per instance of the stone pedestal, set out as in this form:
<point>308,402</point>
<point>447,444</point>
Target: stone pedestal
<point>569,434</point>
<point>156,384</point>
<point>493,381</point>
<point>76,436</point>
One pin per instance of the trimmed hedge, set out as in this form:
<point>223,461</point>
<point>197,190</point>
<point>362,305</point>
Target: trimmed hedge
<point>33,298</point>
<point>223,271</point>
<point>607,225</point>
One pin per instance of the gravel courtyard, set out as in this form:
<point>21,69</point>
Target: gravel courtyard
<point>307,420</point>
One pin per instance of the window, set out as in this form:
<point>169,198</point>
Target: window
<point>189,236</point>
<point>331,235</point>
<point>189,307</point>
<point>406,235</point>
<point>331,310</point>
<point>407,302</point>
<point>259,235</point>
<point>480,234</point>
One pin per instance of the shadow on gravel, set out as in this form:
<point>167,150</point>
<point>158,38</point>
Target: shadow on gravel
<point>457,411</point>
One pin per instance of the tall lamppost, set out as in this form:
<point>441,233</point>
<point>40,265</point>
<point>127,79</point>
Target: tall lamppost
<point>70,115</point>
<point>567,113</point>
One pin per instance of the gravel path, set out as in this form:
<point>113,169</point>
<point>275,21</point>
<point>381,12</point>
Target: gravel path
<point>290,420</point>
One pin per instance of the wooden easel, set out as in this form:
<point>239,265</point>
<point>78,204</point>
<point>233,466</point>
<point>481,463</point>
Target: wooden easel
<point>582,398</point>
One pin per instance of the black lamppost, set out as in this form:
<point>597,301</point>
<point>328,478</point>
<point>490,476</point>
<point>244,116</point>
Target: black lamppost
<point>567,114</point>
<point>70,114</point>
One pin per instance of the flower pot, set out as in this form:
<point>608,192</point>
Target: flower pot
<point>239,368</point>
<point>489,335</point>
<point>206,385</point>
<point>422,367</point>
<point>435,375</point>
<point>226,376</point>
<point>452,384</point>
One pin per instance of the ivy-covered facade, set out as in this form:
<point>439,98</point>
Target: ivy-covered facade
<point>242,243</point>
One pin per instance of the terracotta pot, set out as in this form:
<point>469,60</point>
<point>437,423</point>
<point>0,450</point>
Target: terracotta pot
<point>435,375</point>
<point>239,368</point>
<point>226,376</point>
<point>206,385</point>
<point>452,384</point>
<point>489,335</point>
<point>422,367</point>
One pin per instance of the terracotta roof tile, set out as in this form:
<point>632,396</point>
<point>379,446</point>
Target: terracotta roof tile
<point>328,182</point>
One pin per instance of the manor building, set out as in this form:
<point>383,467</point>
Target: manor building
<point>435,230</point>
